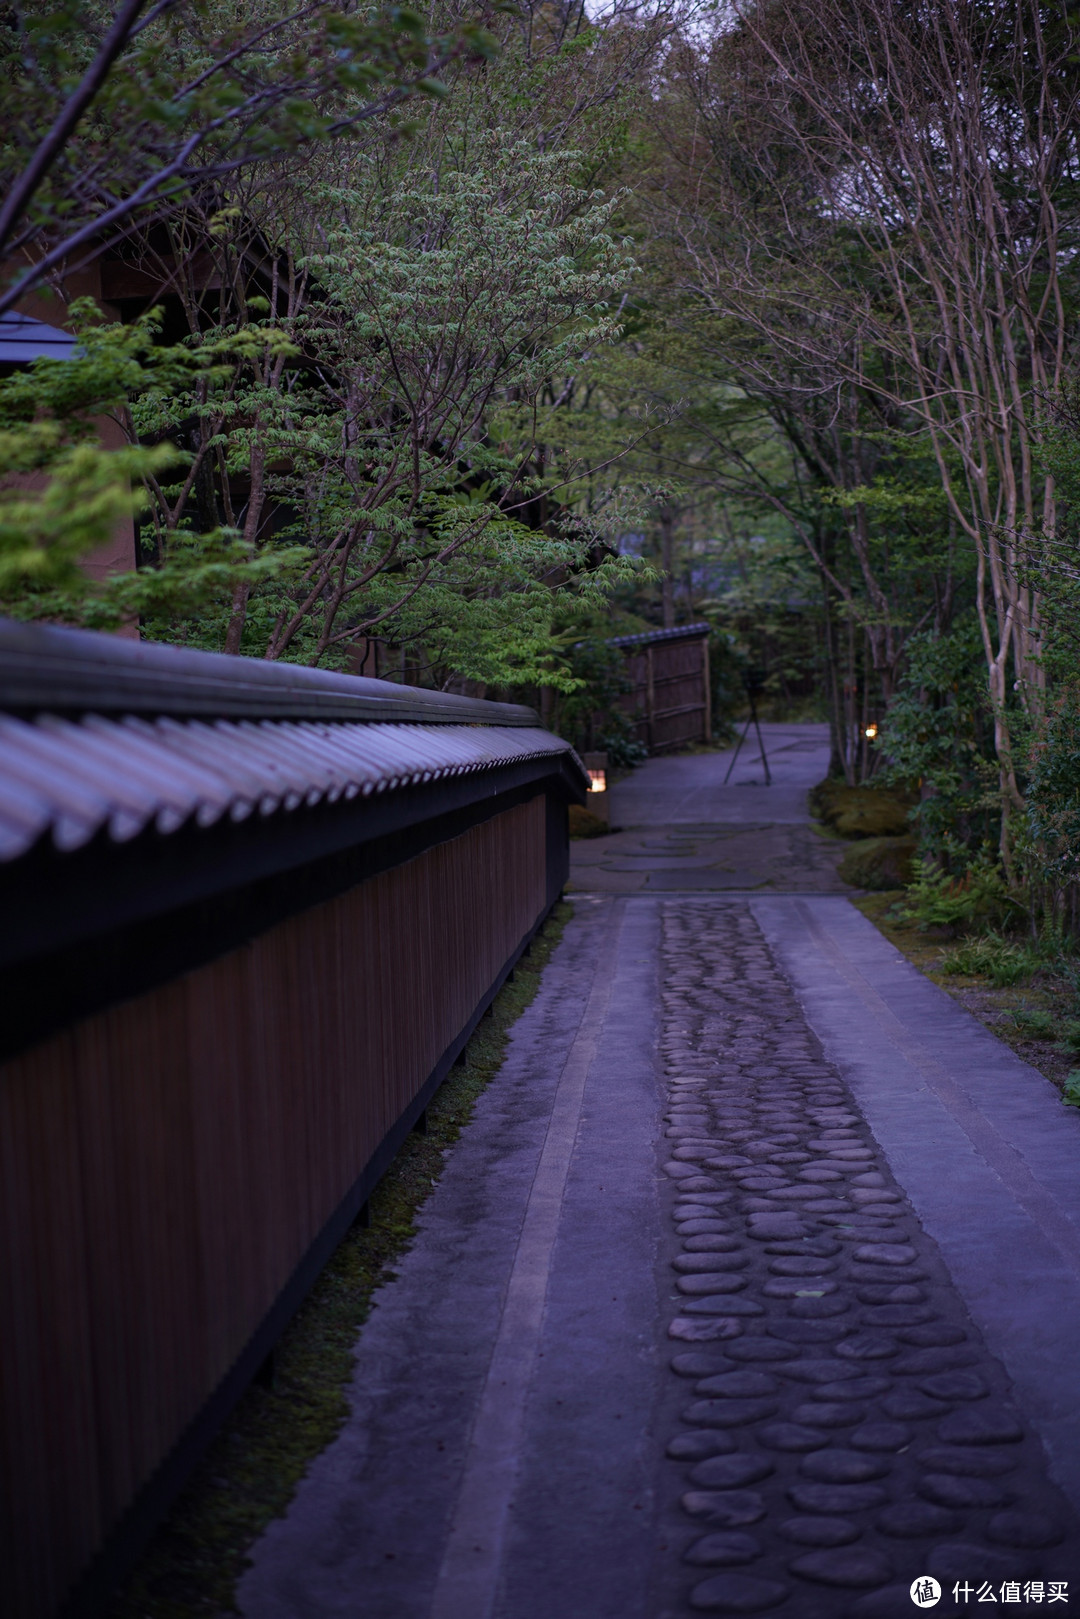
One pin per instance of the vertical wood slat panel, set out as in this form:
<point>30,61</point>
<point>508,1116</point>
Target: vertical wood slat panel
<point>678,682</point>
<point>168,1163</point>
<point>48,1446</point>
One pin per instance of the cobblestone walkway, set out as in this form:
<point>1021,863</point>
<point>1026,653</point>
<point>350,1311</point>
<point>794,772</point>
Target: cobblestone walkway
<point>844,1428</point>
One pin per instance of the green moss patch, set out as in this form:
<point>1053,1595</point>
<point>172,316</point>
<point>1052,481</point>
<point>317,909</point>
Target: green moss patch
<point>863,812</point>
<point>879,863</point>
<point>584,824</point>
<point>252,1470</point>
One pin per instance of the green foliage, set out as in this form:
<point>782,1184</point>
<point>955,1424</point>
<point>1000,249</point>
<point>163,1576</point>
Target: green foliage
<point>1071,1089</point>
<point>1050,557</point>
<point>1003,961</point>
<point>900,534</point>
<point>623,750</point>
<point>345,446</point>
<point>1053,790</point>
<point>446,301</point>
<point>1035,1023</point>
<point>764,604</point>
<point>938,899</point>
<point>584,824</point>
<point>591,715</point>
<point>66,500</point>
<point>938,732</point>
<point>72,489</point>
<point>862,812</point>
<point>199,92</point>
<point>68,492</point>
<point>878,863</point>
<point>381,433</point>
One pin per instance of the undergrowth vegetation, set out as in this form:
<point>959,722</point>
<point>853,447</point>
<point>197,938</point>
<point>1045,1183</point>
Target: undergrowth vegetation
<point>1003,961</point>
<point>975,897</point>
<point>990,934</point>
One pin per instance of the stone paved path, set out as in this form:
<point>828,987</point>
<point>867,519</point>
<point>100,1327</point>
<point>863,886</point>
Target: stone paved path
<point>683,830</point>
<point>847,1428</point>
<point>753,1287</point>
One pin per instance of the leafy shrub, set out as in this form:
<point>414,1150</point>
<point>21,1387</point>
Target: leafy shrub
<point>1053,792</point>
<point>592,716</point>
<point>623,751</point>
<point>878,863</point>
<point>1037,1025</point>
<point>939,731</point>
<point>1071,1091</point>
<point>1003,961</point>
<point>584,824</point>
<point>937,899</point>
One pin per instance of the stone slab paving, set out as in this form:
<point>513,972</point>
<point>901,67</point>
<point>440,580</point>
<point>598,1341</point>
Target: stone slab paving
<point>710,1309</point>
<point>685,830</point>
<point>770,857</point>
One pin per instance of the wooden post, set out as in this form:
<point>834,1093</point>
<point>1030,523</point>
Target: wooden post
<point>650,696</point>
<point>708,688</point>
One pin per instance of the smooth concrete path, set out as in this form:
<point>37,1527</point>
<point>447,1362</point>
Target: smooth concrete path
<point>740,1154</point>
<point>689,788</point>
<point>502,1457</point>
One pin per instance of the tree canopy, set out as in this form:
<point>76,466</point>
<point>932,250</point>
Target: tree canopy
<point>478,336</point>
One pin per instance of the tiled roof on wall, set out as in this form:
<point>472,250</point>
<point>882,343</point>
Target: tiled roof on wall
<point>103,735</point>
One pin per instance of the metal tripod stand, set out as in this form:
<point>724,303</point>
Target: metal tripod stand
<point>754,682</point>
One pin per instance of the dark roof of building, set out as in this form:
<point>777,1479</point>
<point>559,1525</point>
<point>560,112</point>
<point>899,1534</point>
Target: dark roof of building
<point>683,632</point>
<point>23,339</point>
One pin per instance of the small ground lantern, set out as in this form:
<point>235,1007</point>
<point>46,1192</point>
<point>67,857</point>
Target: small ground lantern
<point>597,766</point>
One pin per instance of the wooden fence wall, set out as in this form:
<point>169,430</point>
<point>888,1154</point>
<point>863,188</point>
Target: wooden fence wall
<point>669,701</point>
<point>166,1165</point>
